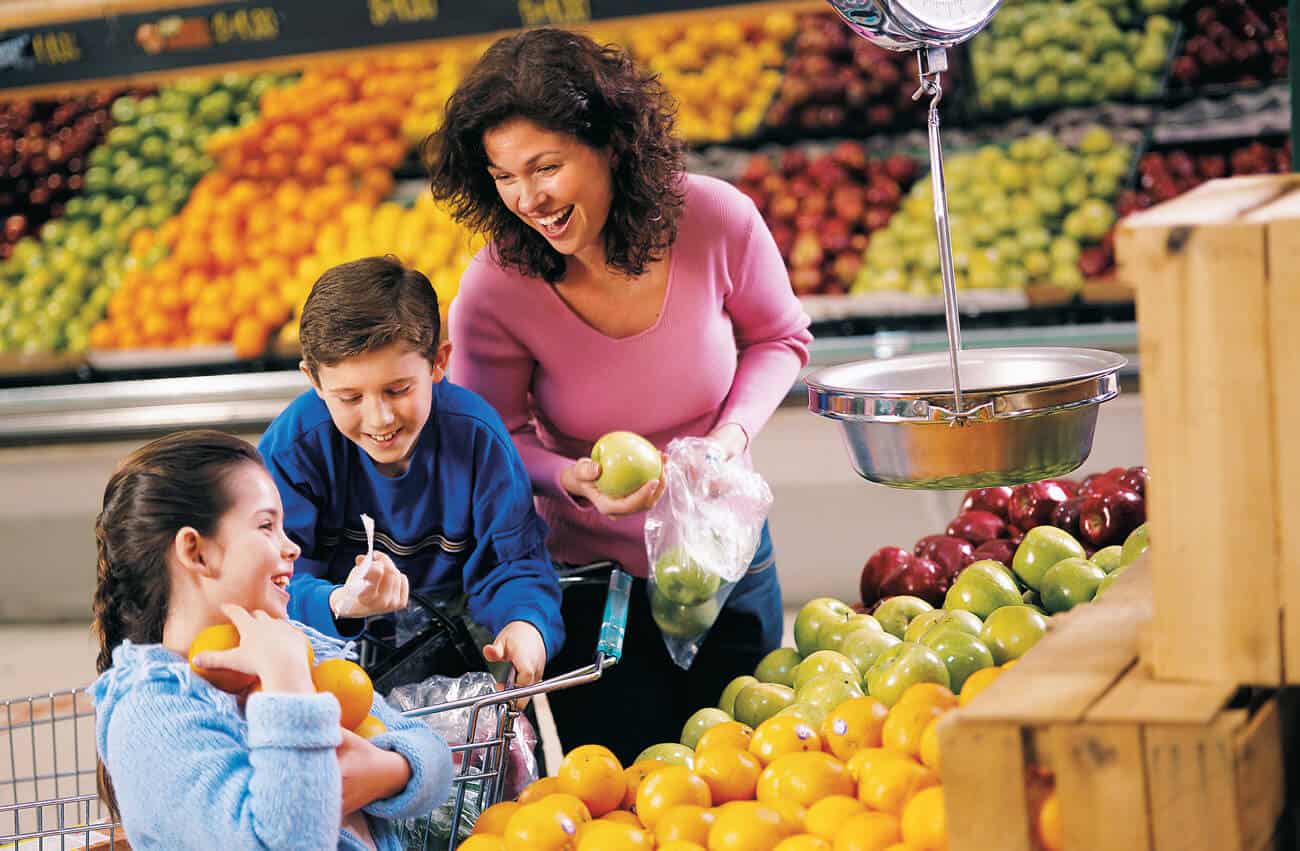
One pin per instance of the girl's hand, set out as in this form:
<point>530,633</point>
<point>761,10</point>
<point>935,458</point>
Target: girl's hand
<point>269,648</point>
<point>369,773</point>
<point>520,644</point>
<point>376,588</point>
<point>580,481</point>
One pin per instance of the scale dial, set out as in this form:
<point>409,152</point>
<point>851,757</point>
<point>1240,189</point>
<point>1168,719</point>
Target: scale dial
<point>915,24</point>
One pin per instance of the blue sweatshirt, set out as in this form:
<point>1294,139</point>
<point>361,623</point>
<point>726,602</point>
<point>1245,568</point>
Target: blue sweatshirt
<point>461,517</point>
<point>191,771</point>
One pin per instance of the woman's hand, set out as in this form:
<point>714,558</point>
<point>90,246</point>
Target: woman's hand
<point>376,588</point>
<point>731,439</point>
<point>270,649</point>
<point>369,773</point>
<point>580,481</point>
<point>520,644</point>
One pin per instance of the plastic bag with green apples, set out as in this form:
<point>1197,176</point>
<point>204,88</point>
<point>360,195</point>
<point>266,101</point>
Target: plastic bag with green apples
<point>700,538</point>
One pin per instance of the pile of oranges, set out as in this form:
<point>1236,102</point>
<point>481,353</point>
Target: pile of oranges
<point>867,779</point>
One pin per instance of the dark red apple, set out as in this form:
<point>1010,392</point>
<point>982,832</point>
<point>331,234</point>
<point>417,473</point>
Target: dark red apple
<point>951,553</point>
<point>1066,515</point>
<point>1135,479</point>
<point>1109,518</point>
<point>993,500</point>
<point>999,550</point>
<point>977,526</point>
<point>882,565</point>
<point>1032,503</point>
<point>924,578</point>
<point>1015,534</point>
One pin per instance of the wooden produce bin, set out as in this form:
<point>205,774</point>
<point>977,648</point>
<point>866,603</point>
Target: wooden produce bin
<point>1139,764</point>
<point>1217,276</point>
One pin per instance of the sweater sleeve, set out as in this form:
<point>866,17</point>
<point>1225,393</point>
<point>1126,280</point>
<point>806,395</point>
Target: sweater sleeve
<point>426,753</point>
<point>183,776</point>
<point>770,324</point>
<point>489,360</point>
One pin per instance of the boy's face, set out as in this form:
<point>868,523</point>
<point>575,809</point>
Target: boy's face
<point>380,400</point>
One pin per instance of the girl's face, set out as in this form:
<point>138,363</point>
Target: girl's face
<point>250,559</point>
<point>558,185</point>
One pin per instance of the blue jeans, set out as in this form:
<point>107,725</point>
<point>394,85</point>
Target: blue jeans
<point>645,699</point>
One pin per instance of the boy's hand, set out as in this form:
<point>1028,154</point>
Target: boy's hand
<point>520,644</point>
<point>376,588</point>
<point>369,773</point>
<point>580,481</point>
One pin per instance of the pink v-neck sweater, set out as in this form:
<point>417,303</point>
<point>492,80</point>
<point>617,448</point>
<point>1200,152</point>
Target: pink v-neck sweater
<point>728,345</point>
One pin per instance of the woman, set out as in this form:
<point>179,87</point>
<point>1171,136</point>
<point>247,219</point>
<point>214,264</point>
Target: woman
<point>617,292</point>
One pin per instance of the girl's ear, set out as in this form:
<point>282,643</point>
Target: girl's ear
<point>189,554</point>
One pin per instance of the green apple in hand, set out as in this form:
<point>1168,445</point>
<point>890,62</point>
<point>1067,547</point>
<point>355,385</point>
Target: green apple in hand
<point>927,622</point>
<point>1011,631</point>
<point>700,722</point>
<point>627,461</point>
<point>832,635</point>
<point>727,702</point>
<point>1042,547</point>
<point>757,703</point>
<point>1070,582</point>
<point>1108,558</point>
<point>901,667</point>
<point>982,588</point>
<point>865,646</point>
<point>684,580</point>
<point>815,615</point>
<point>895,613</point>
<point>962,653</point>
<point>824,662</point>
<point>779,666</point>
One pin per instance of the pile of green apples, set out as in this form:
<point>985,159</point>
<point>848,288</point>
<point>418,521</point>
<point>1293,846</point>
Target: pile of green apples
<point>992,614</point>
<point>1019,214</point>
<point>55,287</point>
<point>1045,53</point>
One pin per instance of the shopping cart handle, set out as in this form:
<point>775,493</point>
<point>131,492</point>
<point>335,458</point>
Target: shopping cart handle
<point>614,622</point>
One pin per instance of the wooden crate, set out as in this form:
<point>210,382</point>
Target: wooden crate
<point>1139,764</point>
<point>1217,276</point>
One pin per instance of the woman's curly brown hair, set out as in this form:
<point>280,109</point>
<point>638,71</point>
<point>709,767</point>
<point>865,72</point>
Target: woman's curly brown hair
<point>564,82</point>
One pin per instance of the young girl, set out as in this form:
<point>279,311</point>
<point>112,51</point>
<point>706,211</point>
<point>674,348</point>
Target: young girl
<point>190,536</point>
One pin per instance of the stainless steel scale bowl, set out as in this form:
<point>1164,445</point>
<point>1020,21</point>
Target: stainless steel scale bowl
<point>1025,413</point>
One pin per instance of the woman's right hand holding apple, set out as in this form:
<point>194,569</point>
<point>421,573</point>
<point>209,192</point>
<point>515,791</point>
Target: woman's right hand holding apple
<point>579,480</point>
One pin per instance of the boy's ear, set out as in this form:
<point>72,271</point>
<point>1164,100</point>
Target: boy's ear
<point>188,553</point>
<point>302,367</point>
<point>440,359</point>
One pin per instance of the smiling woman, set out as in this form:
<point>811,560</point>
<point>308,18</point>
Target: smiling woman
<point>617,293</point>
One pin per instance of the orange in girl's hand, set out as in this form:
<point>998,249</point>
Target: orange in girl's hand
<point>370,727</point>
<point>220,637</point>
<point>350,685</point>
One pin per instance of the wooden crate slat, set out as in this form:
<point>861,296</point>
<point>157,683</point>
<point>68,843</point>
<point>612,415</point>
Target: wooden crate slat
<point>1138,699</point>
<point>1099,770</point>
<point>984,786</point>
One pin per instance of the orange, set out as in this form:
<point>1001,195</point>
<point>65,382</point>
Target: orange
<point>931,693</point>
<point>685,821</point>
<point>867,832</point>
<point>250,337</point>
<point>612,836</point>
<point>905,724</point>
<point>792,814</point>
<point>976,683</point>
<point>539,789</point>
<point>222,637</point>
<point>731,774</point>
<point>350,684</point>
<point>594,775</point>
<point>1009,663</point>
<point>854,724</point>
<point>923,820</point>
<point>888,787</point>
<point>730,734</point>
<point>825,817</point>
<point>783,734</point>
<point>804,778</point>
<point>632,777</point>
<point>568,804</point>
<point>747,826</point>
<point>1050,833</point>
<point>930,745</point>
<point>681,845</point>
<point>901,846</point>
<point>483,842</point>
<point>494,818</point>
<point>667,788</point>
<point>803,842</point>
<point>370,727</point>
<point>861,763</point>
<point>622,817</point>
<point>536,827</point>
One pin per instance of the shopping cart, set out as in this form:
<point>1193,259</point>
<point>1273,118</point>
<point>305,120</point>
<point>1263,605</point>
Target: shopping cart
<point>48,797</point>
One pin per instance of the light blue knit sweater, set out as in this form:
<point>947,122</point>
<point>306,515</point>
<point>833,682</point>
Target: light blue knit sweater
<point>191,770</point>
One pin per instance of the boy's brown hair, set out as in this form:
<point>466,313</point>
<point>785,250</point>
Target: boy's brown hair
<point>364,305</point>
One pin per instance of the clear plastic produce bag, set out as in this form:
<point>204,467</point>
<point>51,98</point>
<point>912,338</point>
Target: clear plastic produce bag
<point>700,538</point>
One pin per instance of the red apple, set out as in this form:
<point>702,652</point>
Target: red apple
<point>882,565</point>
<point>951,553</point>
<point>1032,503</point>
<point>1066,515</point>
<point>1000,550</point>
<point>992,500</point>
<point>977,526</point>
<point>1015,534</point>
<point>923,577</point>
<point>1108,518</point>
<point>1135,479</point>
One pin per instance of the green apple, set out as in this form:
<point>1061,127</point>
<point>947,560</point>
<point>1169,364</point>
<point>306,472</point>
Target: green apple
<point>901,667</point>
<point>962,653</point>
<point>824,662</point>
<point>1108,558</point>
<point>1070,582</point>
<point>814,615</point>
<point>832,635</point>
<point>895,613</point>
<point>678,621</point>
<point>1011,631</point>
<point>982,588</point>
<point>670,753</point>
<point>827,691</point>
<point>627,461</point>
<point>779,666</point>
<point>1134,545</point>
<point>1108,581</point>
<point>941,619</point>
<point>757,703</point>
<point>811,715</point>
<point>684,580</point>
<point>865,646</point>
<point>727,702</point>
<point>1042,547</point>
<point>700,722</point>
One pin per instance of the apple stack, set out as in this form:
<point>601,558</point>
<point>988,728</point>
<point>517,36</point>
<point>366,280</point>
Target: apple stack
<point>1165,174</point>
<point>822,208</point>
<point>1233,42</point>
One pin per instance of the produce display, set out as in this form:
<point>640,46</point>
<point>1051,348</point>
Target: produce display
<point>1166,174</point>
<point>1232,42</point>
<point>1046,53</point>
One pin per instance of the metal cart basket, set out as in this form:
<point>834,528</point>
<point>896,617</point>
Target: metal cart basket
<point>48,799</point>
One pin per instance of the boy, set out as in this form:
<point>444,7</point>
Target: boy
<point>383,434</point>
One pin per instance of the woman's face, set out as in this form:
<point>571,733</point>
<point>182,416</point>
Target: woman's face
<point>560,186</point>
